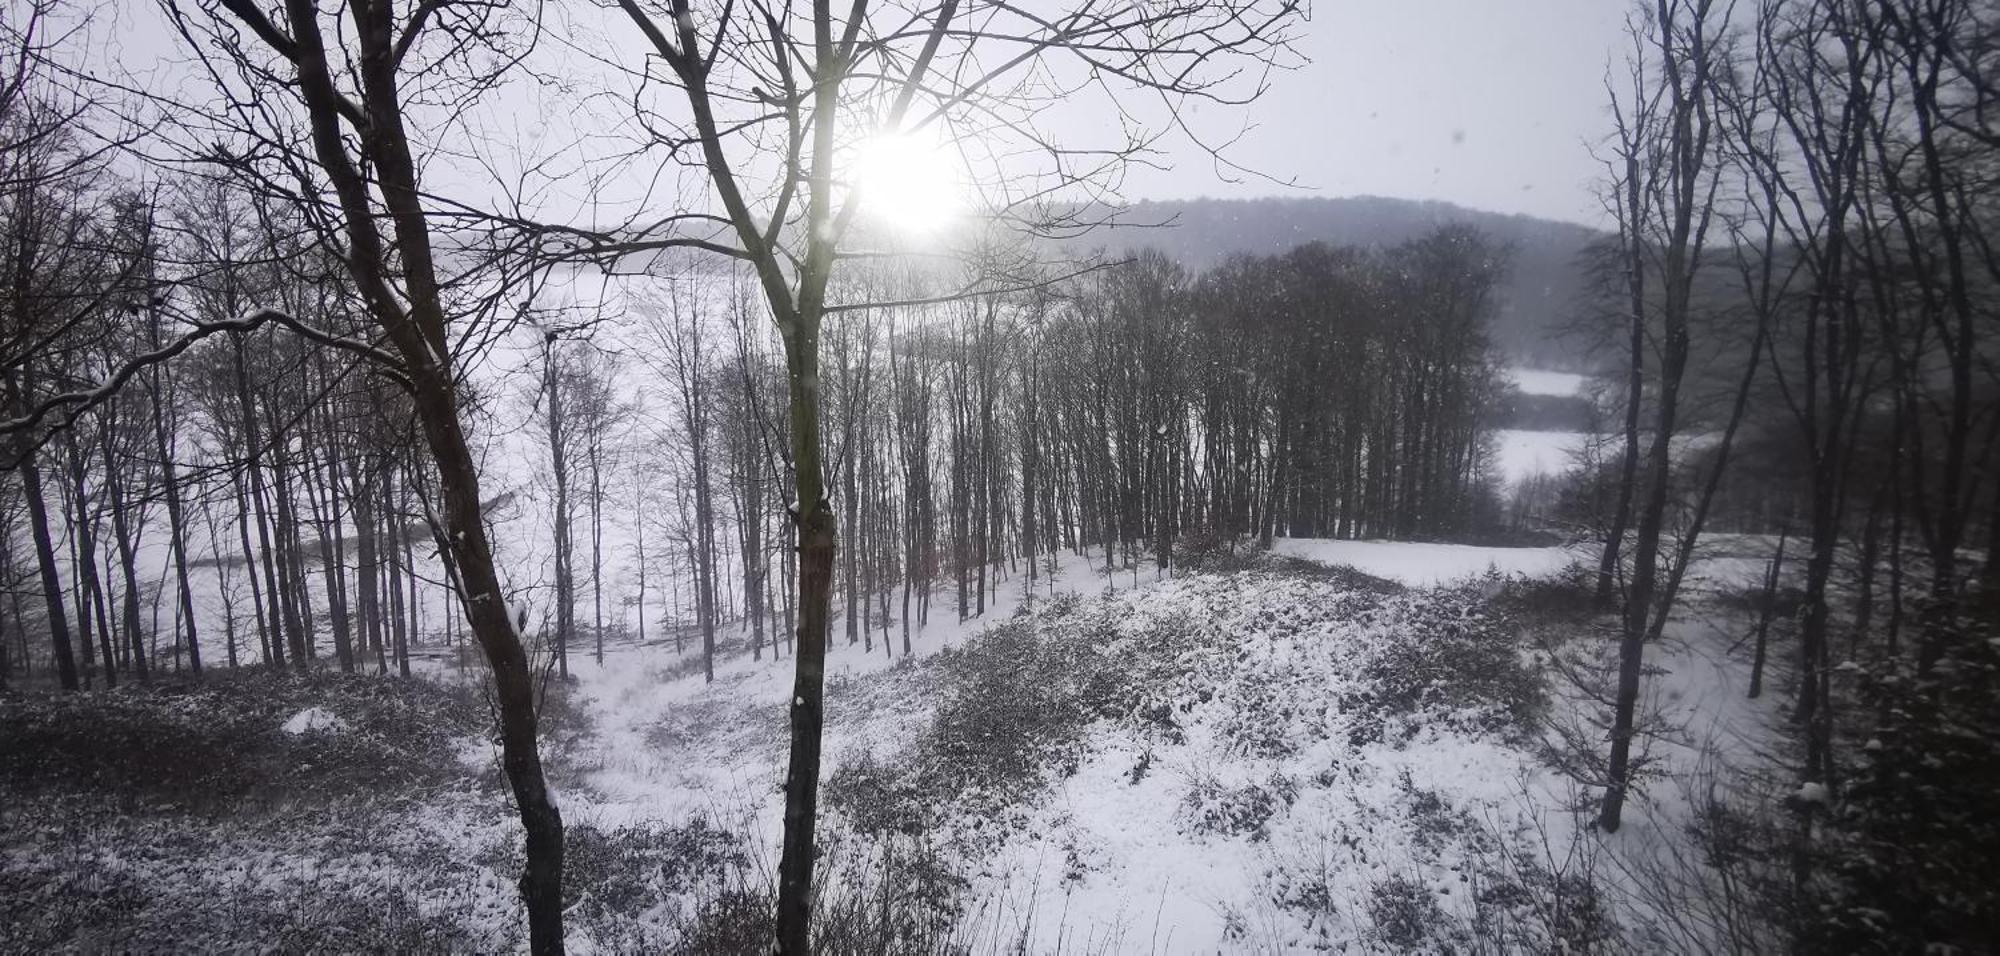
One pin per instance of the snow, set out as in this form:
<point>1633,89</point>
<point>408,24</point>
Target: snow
<point>1534,381</point>
<point>1425,564</point>
<point>668,744</point>
<point>314,720</point>
<point>1112,857</point>
<point>1523,454</point>
<point>1117,853</point>
<point>1106,859</point>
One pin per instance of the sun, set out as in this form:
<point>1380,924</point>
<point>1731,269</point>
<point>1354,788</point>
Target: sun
<point>909,182</point>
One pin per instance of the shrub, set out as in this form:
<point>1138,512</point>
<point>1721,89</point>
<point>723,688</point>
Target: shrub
<point>623,870</point>
<point>217,744</point>
<point>1014,705</point>
<point>1568,598</point>
<point>1212,807</point>
<point>1527,907</point>
<point>1208,550</point>
<point>890,896</point>
<point>1406,915</point>
<point>1456,662</point>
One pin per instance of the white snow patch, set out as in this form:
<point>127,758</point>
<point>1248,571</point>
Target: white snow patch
<point>314,720</point>
<point>1523,454</point>
<point>1535,381</point>
<point>1424,564</point>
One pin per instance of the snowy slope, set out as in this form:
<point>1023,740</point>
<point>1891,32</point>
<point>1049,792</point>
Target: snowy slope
<point>1282,802</point>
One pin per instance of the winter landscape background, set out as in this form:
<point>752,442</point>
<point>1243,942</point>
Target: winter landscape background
<point>486,478</point>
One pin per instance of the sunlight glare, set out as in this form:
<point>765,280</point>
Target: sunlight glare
<point>909,182</point>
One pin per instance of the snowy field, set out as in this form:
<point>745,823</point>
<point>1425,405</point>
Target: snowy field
<point>1524,454</point>
<point>1535,381</point>
<point>1421,564</point>
<point>1261,794</point>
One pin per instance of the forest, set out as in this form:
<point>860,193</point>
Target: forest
<point>711,478</point>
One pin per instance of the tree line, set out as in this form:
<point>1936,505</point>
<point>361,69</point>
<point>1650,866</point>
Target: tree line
<point>1123,414</point>
<point>1120,415</point>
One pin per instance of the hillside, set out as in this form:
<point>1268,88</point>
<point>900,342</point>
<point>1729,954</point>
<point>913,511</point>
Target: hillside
<point>1267,754</point>
<point>1539,295</point>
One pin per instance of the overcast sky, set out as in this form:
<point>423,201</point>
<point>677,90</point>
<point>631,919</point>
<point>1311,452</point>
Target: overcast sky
<point>1485,103</point>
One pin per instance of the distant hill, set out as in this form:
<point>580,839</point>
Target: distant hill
<point>1540,295</point>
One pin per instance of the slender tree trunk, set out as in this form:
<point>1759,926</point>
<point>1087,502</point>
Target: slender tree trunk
<point>50,572</point>
<point>597,547</point>
<point>244,517</point>
<point>83,545</point>
<point>163,445</point>
<point>323,493</point>
<point>222,563</point>
<point>1628,467</point>
<point>291,558</point>
<point>639,542</point>
<point>128,558</point>
<point>397,570</point>
<point>1772,575</point>
<point>565,562</point>
<point>367,562</point>
<point>281,618</point>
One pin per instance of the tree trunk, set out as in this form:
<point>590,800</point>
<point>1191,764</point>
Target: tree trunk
<point>83,545</point>
<point>815,528</point>
<point>51,574</point>
<point>597,547</point>
<point>1772,575</point>
<point>163,445</point>
<point>128,558</point>
<point>558,456</point>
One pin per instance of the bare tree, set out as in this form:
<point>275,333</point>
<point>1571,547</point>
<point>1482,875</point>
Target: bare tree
<point>351,74</point>
<point>677,332</point>
<point>1678,168</point>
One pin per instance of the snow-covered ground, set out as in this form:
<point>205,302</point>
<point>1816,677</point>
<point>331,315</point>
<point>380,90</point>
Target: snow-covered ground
<point>1270,818</point>
<point>1230,833</point>
<point>1281,762</point>
<point>642,696</point>
<point>1133,850</point>
<point>1535,381</point>
<point>1423,564</point>
<point>1524,454</point>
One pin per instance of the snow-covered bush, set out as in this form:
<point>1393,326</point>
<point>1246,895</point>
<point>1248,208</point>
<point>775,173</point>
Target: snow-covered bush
<point>1012,708</point>
<point>1214,807</point>
<point>1454,661</point>
<point>1407,917</point>
<point>615,874</point>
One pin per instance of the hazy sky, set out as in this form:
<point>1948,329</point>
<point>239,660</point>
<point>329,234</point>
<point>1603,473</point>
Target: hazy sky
<point>1485,103</point>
